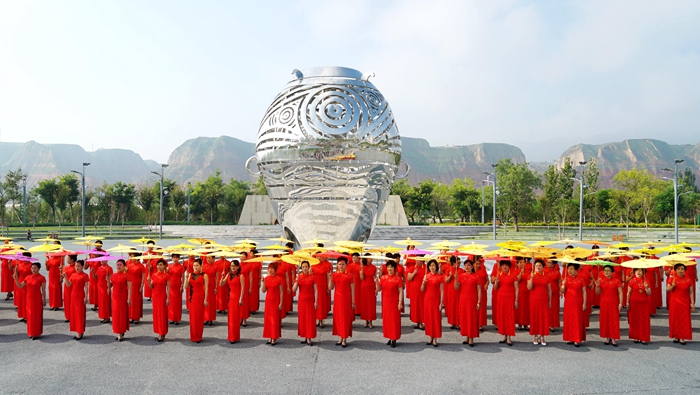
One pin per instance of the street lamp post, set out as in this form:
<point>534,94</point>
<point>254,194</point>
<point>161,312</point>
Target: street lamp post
<point>82,197</point>
<point>675,194</point>
<point>24,200</point>
<point>486,181</point>
<point>580,203</point>
<point>189,190</point>
<point>494,200</point>
<point>161,174</point>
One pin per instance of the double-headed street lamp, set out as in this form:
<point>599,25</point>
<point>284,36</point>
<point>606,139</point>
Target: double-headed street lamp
<point>675,194</point>
<point>82,197</point>
<point>161,174</point>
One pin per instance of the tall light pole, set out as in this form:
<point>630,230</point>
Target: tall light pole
<point>494,200</point>
<point>580,202</point>
<point>675,194</point>
<point>486,181</point>
<point>161,174</point>
<point>24,200</point>
<point>189,190</point>
<point>82,197</point>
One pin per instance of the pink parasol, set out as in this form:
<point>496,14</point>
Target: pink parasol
<point>20,257</point>
<point>91,252</point>
<point>415,252</point>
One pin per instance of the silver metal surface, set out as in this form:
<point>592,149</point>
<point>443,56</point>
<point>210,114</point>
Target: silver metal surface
<point>328,150</point>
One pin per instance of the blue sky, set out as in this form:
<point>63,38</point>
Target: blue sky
<point>148,75</point>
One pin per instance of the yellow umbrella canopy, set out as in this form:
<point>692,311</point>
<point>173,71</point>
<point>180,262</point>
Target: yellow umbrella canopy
<point>86,243</point>
<point>643,263</point>
<point>473,251</point>
<point>647,251</point>
<point>3,238</point>
<point>312,250</point>
<point>201,241</point>
<point>500,253</point>
<point>273,252</point>
<point>262,259</point>
<point>122,248</point>
<point>181,246</point>
<point>46,248</point>
<point>595,242</point>
<point>315,241</point>
<point>671,249</point>
<point>89,238</point>
<point>446,244</point>
<point>226,254</point>
<point>282,240</point>
<point>247,241</point>
<point>568,241</point>
<point>623,245</point>
<point>576,252</point>
<point>244,246</point>
<point>183,252</point>
<point>352,244</point>
<point>46,239</point>
<point>511,245</point>
<point>686,244</point>
<point>155,247</point>
<point>542,243</point>
<point>297,259</point>
<point>473,246</point>
<point>386,249</point>
<point>408,242</point>
<point>678,258</point>
<point>274,247</point>
<point>142,240</point>
<point>652,243</point>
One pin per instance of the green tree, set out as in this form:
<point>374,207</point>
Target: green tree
<point>209,195</point>
<point>48,191</point>
<point>69,191</point>
<point>259,187</point>
<point>235,193</point>
<point>146,198</point>
<point>464,199</point>
<point>178,197</point>
<point>13,188</point>
<point>517,185</point>
<point>123,196</point>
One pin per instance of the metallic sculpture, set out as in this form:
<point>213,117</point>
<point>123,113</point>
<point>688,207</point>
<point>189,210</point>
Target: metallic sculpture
<point>328,150</point>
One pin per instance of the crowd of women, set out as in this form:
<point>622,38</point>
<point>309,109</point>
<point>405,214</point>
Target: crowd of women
<point>526,293</point>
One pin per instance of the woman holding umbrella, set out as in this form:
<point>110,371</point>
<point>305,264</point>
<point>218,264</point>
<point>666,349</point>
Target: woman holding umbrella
<point>197,287</point>
<point>574,290</point>
<point>681,303</point>
<point>414,278</point>
<point>610,290</point>
<point>137,276</point>
<point>159,282</point>
<point>551,271</point>
<point>368,297</point>
<point>54,265</point>
<point>78,283</point>
<point>433,286</point>
<point>176,272</point>
<point>104,305</point>
<point>505,284</point>
<point>540,302</point>
<point>34,286</point>
<point>343,309</point>
<point>469,288</point>
<point>307,302</point>
<point>274,303</point>
<point>120,289</point>
<point>391,286</point>
<point>638,311</point>
<point>235,300</point>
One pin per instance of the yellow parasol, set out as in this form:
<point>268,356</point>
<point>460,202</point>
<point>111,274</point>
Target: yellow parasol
<point>46,248</point>
<point>568,241</point>
<point>382,250</point>
<point>226,254</point>
<point>247,241</point>
<point>686,244</point>
<point>181,246</point>
<point>274,247</point>
<point>86,243</point>
<point>315,241</point>
<point>282,240</point>
<point>142,240</point>
<point>312,250</point>
<point>89,238</point>
<point>595,242</point>
<point>273,252</point>
<point>445,244</point>
<point>643,263</point>
<point>184,252</point>
<point>200,241</point>
<point>122,248</point>
<point>262,259</point>
<point>473,246</point>
<point>353,244</point>
<point>295,259</point>
<point>542,243</point>
<point>623,245</point>
<point>408,242</point>
<point>511,245</point>
<point>3,238</point>
<point>678,258</point>
<point>46,239</point>
<point>243,246</point>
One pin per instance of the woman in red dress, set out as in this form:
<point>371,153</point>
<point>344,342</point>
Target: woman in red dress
<point>414,277</point>
<point>368,301</point>
<point>78,283</point>
<point>508,292</point>
<point>137,275</point>
<point>551,271</point>
<point>610,290</point>
<point>176,272</point>
<point>638,311</point>
<point>574,289</point>
<point>159,283</point>
<point>35,293</point>
<point>254,291</point>
<point>540,302</point>
<point>522,312</point>
<point>68,271</point>
<point>391,286</point>
<point>22,270</point>
<point>452,271</point>
<point>354,267</point>
<point>321,276</point>
<point>494,294</point>
<point>433,286</point>
<point>235,281</point>
<point>197,287</point>
<point>681,303</point>
<point>120,288</point>
<point>274,303</point>
<point>483,281</point>
<point>104,303</point>
<point>222,267</point>
<point>307,303</point>
<point>54,265</point>
<point>470,293</point>
<point>247,269</point>
<point>344,301</point>
<point>209,268</point>
<point>7,281</point>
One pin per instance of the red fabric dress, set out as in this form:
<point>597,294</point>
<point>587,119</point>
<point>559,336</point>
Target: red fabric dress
<point>343,314</point>
<point>68,271</point>
<point>175,272</point>
<point>254,295</point>
<point>554,276</point>
<point>539,306</point>
<point>272,323</point>
<point>93,293</point>
<point>679,322</point>
<point>522,313</point>
<point>391,315</point>
<point>150,266</point>
<point>135,270</point>
<point>368,308</point>
<point>452,311</point>
<point>234,307</point>
<point>7,283</point>
<point>483,280</point>
<point>120,305</point>
<point>210,311</point>
<point>104,302</point>
<point>195,295</point>
<point>77,302</point>
<point>417,297</point>
<point>321,280</point>
<point>247,270</point>
<point>574,320</point>
<point>159,298</point>
<point>638,313</point>
<point>328,269</point>
<point>53,265</point>
<point>468,318</point>
<point>505,309</point>
<point>431,306</point>
<point>24,269</point>
<point>305,305</point>
<point>35,304</point>
<point>222,266</point>
<point>354,269</point>
<point>609,315</point>
<point>494,296</point>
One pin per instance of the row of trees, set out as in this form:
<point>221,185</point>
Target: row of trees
<point>524,195</point>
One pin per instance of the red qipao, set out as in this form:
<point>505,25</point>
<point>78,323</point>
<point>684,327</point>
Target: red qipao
<point>222,266</point>
<point>320,273</point>
<point>679,323</point>
<point>104,302</point>
<point>417,297</point>
<point>609,308</point>
<point>272,324</point>
<point>246,269</point>
<point>159,298</point>
<point>539,305</point>
<point>210,311</point>
<point>452,294</point>
<point>522,313</point>
<point>391,315</point>
<point>77,301</point>
<point>483,279</point>
<point>468,315</point>
<point>234,306</point>
<point>93,297</point>
<point>68,271</point>
<point>135,271</point>
<point>494,296</point>
<point>53,265</point>
<point>368,303</point>
<point>431,306</point>
<point>505,309</point>
<point>554,276</point>
<point>7,283</point>
<point>120,305</point>
<point>354,269</point>
<point>254,294</point>
<point>175,272</point>
<point>195,295</point>
<point>574,315</point>
<point>24,269</point>
<point>305,305</point>
<point>35,304</point>
<point>343,314</point>
<point>638,313</point>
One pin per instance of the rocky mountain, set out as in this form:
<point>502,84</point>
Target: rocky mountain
<point>200,157</point>
<point>652,155</point>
